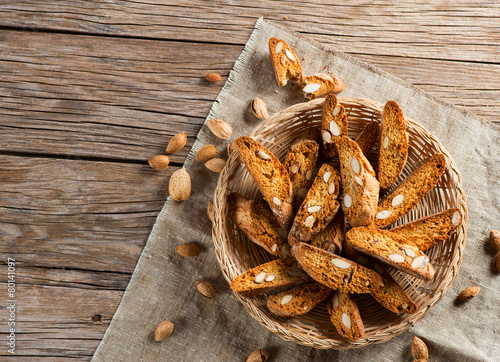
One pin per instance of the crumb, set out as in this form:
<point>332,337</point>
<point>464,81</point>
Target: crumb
<point>260,61</point>
<point>326,66</point>
<point>276,91</point>
<point>304,58</point>
<point>285,17</point>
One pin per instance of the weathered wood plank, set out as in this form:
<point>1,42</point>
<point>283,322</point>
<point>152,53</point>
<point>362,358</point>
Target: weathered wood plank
<point>92,96</point>
<point>458,30</point>
<point>60,322</point>
<point>78,214</point>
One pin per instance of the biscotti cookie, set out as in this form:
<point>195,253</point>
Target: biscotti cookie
<point>271,178</point>
<point>332,237</point>
<point>404,197</point>
<point>359,185</point>
<point>430,230</point>
<point>257,222</point>
<point>319,206</point>
<point>297,301</point>
<point>285,63</point>
<point>319,85</point>
<point>335,271</point>
<point>333,124</point>
<point>393,149</point>
<point>391,296</point>
<point>300,163</point>
<point>270,278</point>
<point>390,249</point>
<point>344,314</point>
<point>367,138</point>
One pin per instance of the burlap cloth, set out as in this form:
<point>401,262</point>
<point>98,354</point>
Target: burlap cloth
<point>162,286</point>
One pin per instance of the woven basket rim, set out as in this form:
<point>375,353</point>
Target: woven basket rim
<point>219,228</point>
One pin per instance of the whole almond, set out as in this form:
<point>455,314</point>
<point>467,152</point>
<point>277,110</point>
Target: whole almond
<point>259,355</point>
<point>213,77</point>
<point>210,211</point>
<point>419,349</point>
<point>259,108</point>
<point>495,240</point>
<point>496,262</point>
<point>179,186</point>
<point>163,330</point>
<point>159,162</point>
<point>188,250</point>
<point>176,143</point>
<point>206,153</point>
<point>468,293</point>
<point>216,164</point>
<point>205,289</point>
<point>220,128</point>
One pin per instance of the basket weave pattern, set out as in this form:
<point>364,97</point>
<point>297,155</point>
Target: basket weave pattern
<point>235,254</point>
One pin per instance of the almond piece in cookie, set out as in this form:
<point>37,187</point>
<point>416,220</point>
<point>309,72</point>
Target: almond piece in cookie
<point>359,185</point>
<point>319,85</point>
<point>344,314</point>
<point>393,149</point>
<point>404,197</point>
<point>270,278</point>
<point>335,271</point>
<point>333,124</point>
<point>391,249</point>
<point>300,163</point>
<point>257,221</point>
<point>285,63</point>
<point>319,206</point>
<point>271,178</point>
<point>297,301</point>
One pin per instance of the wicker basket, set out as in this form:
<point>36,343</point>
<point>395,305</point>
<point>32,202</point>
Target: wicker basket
<point>236,254</point>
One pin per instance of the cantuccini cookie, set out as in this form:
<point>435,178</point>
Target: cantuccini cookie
<point>301,163</point>
<point>428,231</point>
<point>335,271</point>
<point>331,237</point>
<point>359,186</point>
<point>257,221</point>
<point>344,314</point>
<point>393,149</point>
<point>270,278</point>
<point>333,124</point>
<point>391,296</point>
<point>271,177</point>
<point>285,63</point>
<point>404,197</point>
<point>319,85</point>
<point>391,249</point>
<point>297,301</point>
<point>319,206</point>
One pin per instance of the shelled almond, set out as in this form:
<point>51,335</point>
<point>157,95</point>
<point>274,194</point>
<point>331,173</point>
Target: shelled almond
<point>159,162</point>
<point>206,153</point>
<point>163,330</point>
<point>177,142</point>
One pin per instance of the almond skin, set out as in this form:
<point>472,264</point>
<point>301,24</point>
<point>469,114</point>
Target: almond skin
<point>496,262</point>
<point>188,250</point>
<point>159,162</point>
<point>468,293</point>
<point>206,153</point>
<point>205,289</point>
<point>176,143</point>
<point>495,240</point>
<point>220,128</point>
<point>259,355</point>
<point>163,330</point>
<point>179,186</point>
<point>419,349</point>
<point>216,164</point>
<point>213,77</point>
<point>259,108</point>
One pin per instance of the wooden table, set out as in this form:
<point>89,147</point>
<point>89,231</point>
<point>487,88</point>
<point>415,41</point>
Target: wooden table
<point>90,90</point>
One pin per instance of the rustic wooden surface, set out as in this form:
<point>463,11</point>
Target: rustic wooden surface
<point>92,89</point>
